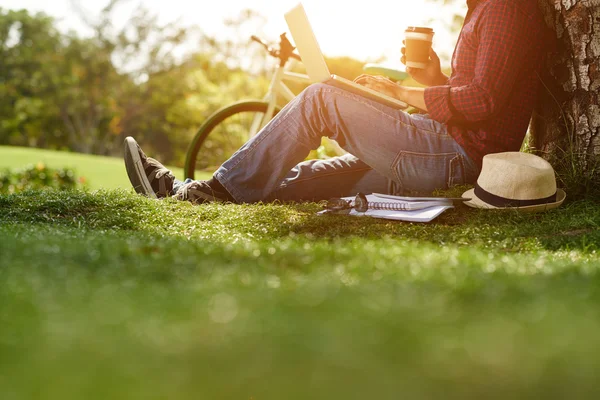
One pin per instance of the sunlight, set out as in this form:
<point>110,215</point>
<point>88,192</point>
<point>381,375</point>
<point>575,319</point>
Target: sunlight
<point>368,32</point>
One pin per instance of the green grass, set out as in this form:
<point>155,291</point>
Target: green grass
<point>110,295</point>
<point>99,172</point>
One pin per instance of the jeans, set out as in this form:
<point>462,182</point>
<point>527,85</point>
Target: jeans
<point>390,152</point>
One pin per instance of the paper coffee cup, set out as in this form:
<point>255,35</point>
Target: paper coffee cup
<point>417,42</point>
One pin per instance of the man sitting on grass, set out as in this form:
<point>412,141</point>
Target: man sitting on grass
<point>483,107</point>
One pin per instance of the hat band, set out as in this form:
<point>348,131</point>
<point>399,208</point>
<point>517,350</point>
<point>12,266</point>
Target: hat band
<point>498,201</point>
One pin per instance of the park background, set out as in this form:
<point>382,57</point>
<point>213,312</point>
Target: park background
<point>80,76</point>
<point>106,294</point>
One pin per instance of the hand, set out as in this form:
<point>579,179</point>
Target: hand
<point>431,75</point>
<point>380,84</point>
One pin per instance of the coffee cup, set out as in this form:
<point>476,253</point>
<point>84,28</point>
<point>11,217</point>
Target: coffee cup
<point>417,43</point>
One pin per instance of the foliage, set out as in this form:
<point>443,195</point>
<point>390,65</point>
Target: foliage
<point>29,60</point>
<point>36,177</point>
<point>61,91</point>
<point>152,299</point>
<point>579,173</point>
<point>169,109</point>
<point>85,94</point>
<point>99,172</point>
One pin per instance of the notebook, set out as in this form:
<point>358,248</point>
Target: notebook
<point>410,209</point>
<point>316,67</point>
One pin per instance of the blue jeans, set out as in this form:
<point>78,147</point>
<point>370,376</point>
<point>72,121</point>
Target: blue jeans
<point>391,152</point>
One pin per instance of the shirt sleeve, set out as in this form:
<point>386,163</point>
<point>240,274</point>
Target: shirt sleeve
<point>503,50</point>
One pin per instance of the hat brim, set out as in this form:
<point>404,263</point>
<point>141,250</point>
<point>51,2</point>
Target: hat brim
<point>476,202</point>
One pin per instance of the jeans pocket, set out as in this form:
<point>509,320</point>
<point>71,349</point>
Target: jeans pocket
<point>425,173</point>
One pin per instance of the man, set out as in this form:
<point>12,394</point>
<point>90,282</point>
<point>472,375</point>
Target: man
<point>483,107</point>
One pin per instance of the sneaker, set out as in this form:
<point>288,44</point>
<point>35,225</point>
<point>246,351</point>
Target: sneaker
<point>199,192</point>
<point>147,176</point>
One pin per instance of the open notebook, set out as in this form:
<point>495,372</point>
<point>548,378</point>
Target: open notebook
<point>413,209</point>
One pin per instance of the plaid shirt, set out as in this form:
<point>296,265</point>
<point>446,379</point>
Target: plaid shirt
<point>488,101</point>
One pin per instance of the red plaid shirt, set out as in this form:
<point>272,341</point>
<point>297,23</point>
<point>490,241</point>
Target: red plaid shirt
<point>488,101</point>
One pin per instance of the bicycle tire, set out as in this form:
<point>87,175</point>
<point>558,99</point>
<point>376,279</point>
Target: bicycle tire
<point>200,146</point>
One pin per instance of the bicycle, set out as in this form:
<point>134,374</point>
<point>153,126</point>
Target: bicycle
<point>233,125</point>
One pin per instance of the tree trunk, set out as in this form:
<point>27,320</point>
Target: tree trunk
<point>566,125</point>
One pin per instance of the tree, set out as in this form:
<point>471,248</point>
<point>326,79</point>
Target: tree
<point>56,90</point>
<point>165,108</point>
<point>566,125</point>
<point>118,85</point>
<point>64,91</point>
<point>85,96</point>
<point>29,54</point>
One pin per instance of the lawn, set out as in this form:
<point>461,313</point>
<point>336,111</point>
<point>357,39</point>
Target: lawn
<point>110,295</point>
<point>106,294</point>
<point>98,171</point>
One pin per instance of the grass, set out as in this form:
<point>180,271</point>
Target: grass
<point>99,172</point>
<point>110,295</point>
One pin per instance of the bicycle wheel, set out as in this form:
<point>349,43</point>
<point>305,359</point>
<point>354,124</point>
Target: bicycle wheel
<point>221,135</point>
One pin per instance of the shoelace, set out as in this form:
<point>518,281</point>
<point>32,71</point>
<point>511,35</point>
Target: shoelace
<point>183,193</point>
<point>158,174</point>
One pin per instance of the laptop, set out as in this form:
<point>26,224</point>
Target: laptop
<point>315,64</point>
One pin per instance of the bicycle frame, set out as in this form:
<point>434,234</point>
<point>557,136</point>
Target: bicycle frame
<point>261,112</point>
<point>277,88</point>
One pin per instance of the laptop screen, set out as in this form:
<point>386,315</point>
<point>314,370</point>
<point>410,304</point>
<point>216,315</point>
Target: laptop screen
<point>307,44</point>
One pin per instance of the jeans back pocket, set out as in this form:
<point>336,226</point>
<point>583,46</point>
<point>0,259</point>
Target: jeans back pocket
<point>424,173</point>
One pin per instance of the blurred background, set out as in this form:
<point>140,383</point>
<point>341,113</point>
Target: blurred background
<point>81,75</point>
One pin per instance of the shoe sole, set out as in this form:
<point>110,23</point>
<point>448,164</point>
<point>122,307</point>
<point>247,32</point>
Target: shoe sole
<point>135,169</point>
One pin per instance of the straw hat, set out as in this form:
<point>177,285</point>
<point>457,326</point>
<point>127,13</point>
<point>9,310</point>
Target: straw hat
<point>515,180</point>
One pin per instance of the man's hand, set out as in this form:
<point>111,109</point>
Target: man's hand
<point>380,84</point>
<point>411,95</point>
<point>431,75</point>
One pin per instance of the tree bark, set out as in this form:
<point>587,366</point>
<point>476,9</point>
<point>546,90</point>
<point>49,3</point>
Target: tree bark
<point>566,124</point>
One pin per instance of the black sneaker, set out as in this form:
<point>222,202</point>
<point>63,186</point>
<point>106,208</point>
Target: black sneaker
<point>147,176</point>
<point>199,192</point>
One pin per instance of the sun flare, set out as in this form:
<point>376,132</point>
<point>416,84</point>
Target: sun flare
<point>367,32</point>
